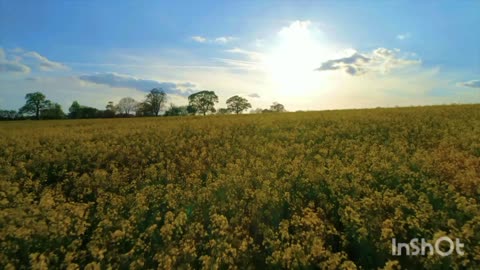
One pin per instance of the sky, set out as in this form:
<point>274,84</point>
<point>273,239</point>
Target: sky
<point>307,55</point>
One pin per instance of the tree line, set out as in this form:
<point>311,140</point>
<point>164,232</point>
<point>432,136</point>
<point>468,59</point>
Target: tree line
<point>37,106</point>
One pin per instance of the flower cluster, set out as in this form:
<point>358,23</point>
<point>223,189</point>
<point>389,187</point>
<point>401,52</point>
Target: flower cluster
<point>324,190</point>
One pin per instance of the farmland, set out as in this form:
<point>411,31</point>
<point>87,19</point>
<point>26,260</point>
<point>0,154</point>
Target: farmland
<point>322,190</point>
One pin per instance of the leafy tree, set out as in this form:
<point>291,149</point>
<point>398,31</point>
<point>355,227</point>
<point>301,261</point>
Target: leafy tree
<point>224,111</point>
<point>110,110</point>
<point>110,106</point>
<point>35,102</point>
<point>77,111</point>
<point>191,110</point>
<point>155,101</point>
<point>52,111</point>
<point>203,101</point>
<point>176,110</point>
<point>126,105</point>
<point>238,104</point>
<point>89,112</point>
<point>277,107</point>
<point>8,114</point>
<point>74,110</point>
<point>143,109</point>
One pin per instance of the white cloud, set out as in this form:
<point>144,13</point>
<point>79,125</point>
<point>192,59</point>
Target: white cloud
<point>403,36</point>
<point>353,65</point>
<point>380,60</point>
<point>251,55</point>
<point>21,61</point>
<point>295,28</point>
<point>472,84</point>
<point>44,63</point>
<point>223,40</point>
<point>12,66</point>
<point>126,81</point>
<point>17,50</point>
<point>89,94</point>
<point>250,60</point>
<point>218,40</point>
<point>199,39</point>
<point>279,68</point>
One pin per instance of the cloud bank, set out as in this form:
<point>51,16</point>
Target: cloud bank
<point>126,81</point>
<point>11,66</point>
<point>44,63</point>
<point>380,60</point>
<point>21,61</point>
<point>472,84</point>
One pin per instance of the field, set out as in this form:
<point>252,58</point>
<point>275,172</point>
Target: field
<point>324,190</point>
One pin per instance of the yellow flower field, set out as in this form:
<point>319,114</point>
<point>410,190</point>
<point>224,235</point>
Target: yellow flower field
<point>324,190</point>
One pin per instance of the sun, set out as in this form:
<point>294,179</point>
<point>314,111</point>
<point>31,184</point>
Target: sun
<point>290,64</point>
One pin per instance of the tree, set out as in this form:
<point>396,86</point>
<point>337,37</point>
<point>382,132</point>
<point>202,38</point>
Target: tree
<point>238,104</point>
<point>257,110</point>
<point>74,110</point>
<point>89,112</point>
<point>126,105</point>
<point>191,110</point>
<point>143,109</point>
<point>155,100</point>
<point>223,111</point>
<point>52,111</point>
<point>35,102</point>
<point>110,106</point>
<point>203,101</point>
<point>110,110</point>
<point>176,110</point>
<point>277,107</point>
<point>77,111</point>
<point>8,115</point>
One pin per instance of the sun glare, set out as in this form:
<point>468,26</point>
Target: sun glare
<point>291,62</point>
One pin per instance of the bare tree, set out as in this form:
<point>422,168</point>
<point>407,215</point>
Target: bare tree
<point>126,105</point>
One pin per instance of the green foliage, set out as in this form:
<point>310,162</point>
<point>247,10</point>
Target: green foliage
<point>238,104</point>
<point>155,101</point>
<point>276,107</point>
<point>35,103</point>
<point>74,109</point>
<point>192,110</point>
<point>176,110</point>
<point>202,102</point>
<point>8,114</point>
<point>144,109</point>
<point>52,111</point>
<point>305,190</point>
<point>224,111</point>
<point>77,111</point>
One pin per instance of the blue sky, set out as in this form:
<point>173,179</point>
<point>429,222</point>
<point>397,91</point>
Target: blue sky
<point>304,54</point>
